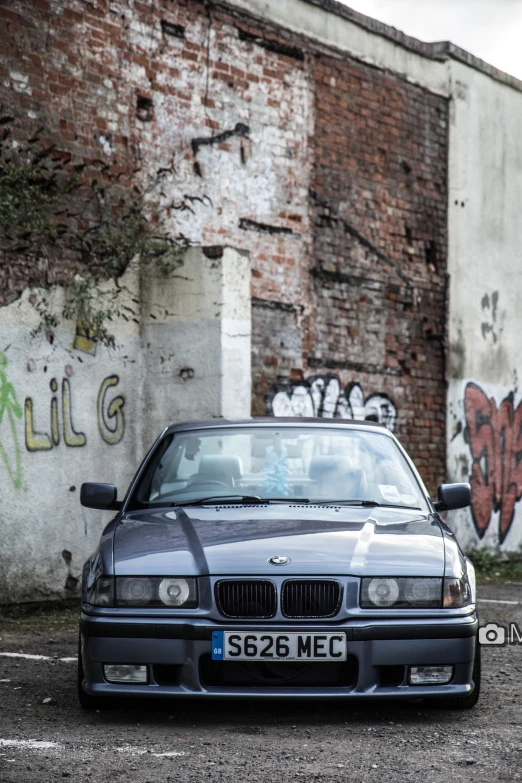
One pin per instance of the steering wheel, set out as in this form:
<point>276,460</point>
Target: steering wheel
<point>200,482</point>
<point>207,484</point>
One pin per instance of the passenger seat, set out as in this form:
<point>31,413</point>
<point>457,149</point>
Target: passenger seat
<point>337,478</point>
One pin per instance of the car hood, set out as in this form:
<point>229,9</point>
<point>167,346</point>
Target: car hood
<point>226,540</point>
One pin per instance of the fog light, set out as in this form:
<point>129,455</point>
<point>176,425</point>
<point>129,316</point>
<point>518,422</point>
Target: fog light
<point>123,672</point>
<point>430,675</point>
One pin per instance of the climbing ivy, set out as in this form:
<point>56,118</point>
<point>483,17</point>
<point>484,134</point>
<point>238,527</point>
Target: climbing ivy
<point>92,216</point>
<point>26,201</point>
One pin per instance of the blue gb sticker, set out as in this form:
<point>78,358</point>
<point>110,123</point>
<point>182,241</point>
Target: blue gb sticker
<point>218,645</point>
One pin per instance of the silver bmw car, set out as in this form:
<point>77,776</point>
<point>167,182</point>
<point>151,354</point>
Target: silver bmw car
<point>297,558</point>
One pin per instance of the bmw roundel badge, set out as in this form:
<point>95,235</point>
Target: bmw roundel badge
<point>279,560</point>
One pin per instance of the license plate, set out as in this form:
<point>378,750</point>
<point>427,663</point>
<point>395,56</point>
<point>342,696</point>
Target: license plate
<point>262,646</point>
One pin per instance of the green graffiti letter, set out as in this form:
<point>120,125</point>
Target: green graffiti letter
<point>10,407</point>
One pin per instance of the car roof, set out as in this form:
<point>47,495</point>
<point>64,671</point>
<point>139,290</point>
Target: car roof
<point>279,421</point>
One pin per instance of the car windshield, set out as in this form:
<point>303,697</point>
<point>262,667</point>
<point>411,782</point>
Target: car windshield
<point>270,463</point>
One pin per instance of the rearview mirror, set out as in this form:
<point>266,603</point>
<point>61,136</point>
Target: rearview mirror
<point>102,496</point>
<point>452,496</point>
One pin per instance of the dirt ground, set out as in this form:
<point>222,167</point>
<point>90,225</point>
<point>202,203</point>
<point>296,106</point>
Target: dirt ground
<point>45,736</point>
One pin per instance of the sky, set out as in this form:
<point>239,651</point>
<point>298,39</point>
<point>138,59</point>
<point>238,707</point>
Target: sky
<point>489,29</point>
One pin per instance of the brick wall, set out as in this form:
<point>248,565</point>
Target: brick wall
<point>379,262</point>
<point>177,97</point>
<point>330,173</point>
<point>374,315</point>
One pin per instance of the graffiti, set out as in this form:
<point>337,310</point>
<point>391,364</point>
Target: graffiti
<point>70,437</point>
<point>55,433</point>
<point>110,417</point>
<point>494,436</point>
<point>323,395</point>
<point>34,441</point>
<point>10,408</point>
<point>492,325</point>
<point>84,343</point>
<point>38,441</point>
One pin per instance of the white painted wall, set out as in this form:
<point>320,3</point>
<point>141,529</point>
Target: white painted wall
<point>190,342</point>
<point>346,36</point>
<point>40,514</point>
<point>485,266</point>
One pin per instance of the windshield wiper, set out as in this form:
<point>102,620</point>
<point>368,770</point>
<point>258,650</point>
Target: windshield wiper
<point>255,499</point>
<point>286,500</point>
<point>371,503</point>
<point>348,502</point>
<point>215,499</point>
<point>239,499</point>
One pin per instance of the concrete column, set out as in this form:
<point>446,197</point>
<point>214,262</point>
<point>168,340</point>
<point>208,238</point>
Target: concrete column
<point>235,329</point>
<point>195,334</point>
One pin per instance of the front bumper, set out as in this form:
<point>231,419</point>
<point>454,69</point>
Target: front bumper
<point>380,652</point>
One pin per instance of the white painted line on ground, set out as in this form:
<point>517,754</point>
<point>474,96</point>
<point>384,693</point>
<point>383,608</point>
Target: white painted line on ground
<point>134,751</point>
<point>30,744</point>
<point>29,657</point>
<point>497,601</point>
<point>25,655</point>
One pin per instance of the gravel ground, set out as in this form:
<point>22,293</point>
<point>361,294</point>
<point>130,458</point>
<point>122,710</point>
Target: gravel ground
<point>45,736</point>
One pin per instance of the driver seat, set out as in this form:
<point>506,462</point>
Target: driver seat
<point>218,467</point>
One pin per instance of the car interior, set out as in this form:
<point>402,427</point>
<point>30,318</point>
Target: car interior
<point>270,465</point>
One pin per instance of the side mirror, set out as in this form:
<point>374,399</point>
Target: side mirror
<point>102,496</point>
<point>452,496</point>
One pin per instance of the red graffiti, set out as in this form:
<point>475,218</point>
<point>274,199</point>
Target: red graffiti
<point>495,439</point>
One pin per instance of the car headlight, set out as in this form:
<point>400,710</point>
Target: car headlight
<point>156,591</point>
<point>457,593</point>
<point>383,592</point>
<point>132,591</point>
<point>401,593</point>
<point>101,592</point>
<point>174,592</point>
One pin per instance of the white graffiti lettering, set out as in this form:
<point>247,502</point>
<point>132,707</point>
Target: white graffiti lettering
<point>324,396</point>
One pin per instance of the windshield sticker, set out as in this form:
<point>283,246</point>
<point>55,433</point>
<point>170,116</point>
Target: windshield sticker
<point>390,493</point>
